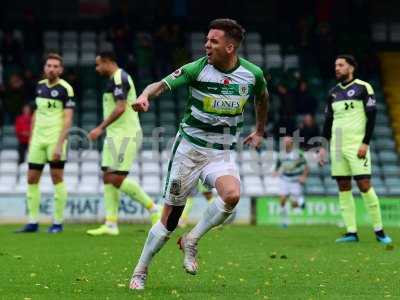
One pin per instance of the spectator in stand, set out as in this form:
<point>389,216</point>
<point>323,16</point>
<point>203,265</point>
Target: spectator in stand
<point>287,106</point>
<point>308,129</point>
<point>14,97</point>
<point>305,102</point>
<point>23,125</point>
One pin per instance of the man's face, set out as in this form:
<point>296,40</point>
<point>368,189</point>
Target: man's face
<point>218,46</point>
<point>101,66</point>
<point>288,142</point>
<point>53,69</point>
<point>343,69</point>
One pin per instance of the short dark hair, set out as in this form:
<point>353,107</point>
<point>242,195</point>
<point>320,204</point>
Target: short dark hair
<point>350,59</point>
<point>56,56</point>
<point>231,28</point>
<point>108,55</point>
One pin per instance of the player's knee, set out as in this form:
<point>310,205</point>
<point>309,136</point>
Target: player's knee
<point>364,186</point>
<point>231,197</point>
<point>33,179</point>
<point>56,178</point>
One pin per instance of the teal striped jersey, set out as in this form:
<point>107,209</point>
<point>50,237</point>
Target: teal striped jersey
<point>291,164</point>
<point>214,111</point>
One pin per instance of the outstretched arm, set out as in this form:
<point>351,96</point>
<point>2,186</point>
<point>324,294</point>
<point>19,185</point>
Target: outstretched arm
<point>151,91</point>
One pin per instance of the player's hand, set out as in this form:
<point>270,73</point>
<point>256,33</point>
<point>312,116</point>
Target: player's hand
<point>321,156</point>
<point>254,139</point>
<point>362,151</point>
<point>95,133</point>
<point>57,153</point>
<point>302,179</point>
<point>275,174</point>
<point>142,104</point>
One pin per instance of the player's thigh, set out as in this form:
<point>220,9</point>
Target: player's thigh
<point>119,153</point>
<point>339,163</point>
<point>183,173</point>
<point>296,190</point>
<point>50,151</point>
<point>37,153</point>
<point>359,166</point>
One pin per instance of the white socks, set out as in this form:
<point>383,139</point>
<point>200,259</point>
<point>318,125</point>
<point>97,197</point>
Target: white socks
<point>216,214</point>
<point>157,237</point>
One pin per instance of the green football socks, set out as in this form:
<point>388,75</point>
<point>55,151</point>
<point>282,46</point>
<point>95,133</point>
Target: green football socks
<point>111,202</point>
<point>60,200</point>
<point>33,202</point>
<point>348,209</point>
<point>135,192</point>
<point>371,202</point>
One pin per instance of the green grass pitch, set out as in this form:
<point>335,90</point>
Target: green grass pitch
<point>237,262</point>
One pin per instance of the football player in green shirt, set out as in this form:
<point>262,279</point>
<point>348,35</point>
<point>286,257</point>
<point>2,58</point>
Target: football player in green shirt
<point>51,122</point>
<point>123,140</point>
<point>349,124</point>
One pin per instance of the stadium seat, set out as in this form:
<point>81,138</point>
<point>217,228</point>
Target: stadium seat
<point>394,33</point>
<point>379,32</point>
<point>271,185</point>
<point>89,184</point>
<point>253,185</point>
<point>151,184</point>
<point>272,49</point>
<point>90,155</point>
<point>250,168</point>
<point>150,155</point>
<point>70,59</point>
<point>71,168</point>
<point>9,155</point>
<point>69,35</point>
<point>291,62</point>
<point>7,183</point>
<point>51,35</point>
<point>71,182</point>
<point>388,157</point>
<point>8,168</point>
<point>315,189</point>
<point>249,155</point>
<point>87,59</point>
<point>10,142</point>
<point>90,168</point>
<point>150,167</point>
<point>88,36</point>
<point>273,61</point>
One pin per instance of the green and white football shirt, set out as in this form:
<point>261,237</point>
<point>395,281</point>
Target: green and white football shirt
<point>214,111</point>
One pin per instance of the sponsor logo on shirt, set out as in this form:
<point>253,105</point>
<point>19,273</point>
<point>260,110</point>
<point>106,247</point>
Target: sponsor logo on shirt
<point>118,91</point>
<point>70,103</point>
<point>371,102</point>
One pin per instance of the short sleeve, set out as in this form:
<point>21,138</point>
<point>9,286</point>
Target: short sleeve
<point>185,74</point>
<point>69,101</point>
<point>120,86</point>
<point>369,99</point>
<point>260,84</point>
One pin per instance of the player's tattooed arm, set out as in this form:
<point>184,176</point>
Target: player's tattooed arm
<point>262,105</point>
<point>151,91</point>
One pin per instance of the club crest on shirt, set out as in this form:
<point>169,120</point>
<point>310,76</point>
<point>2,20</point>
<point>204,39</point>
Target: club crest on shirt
<point>243,89</point>
<point>177,73</point>
<point>54,93</point>
<point>351,93</point>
